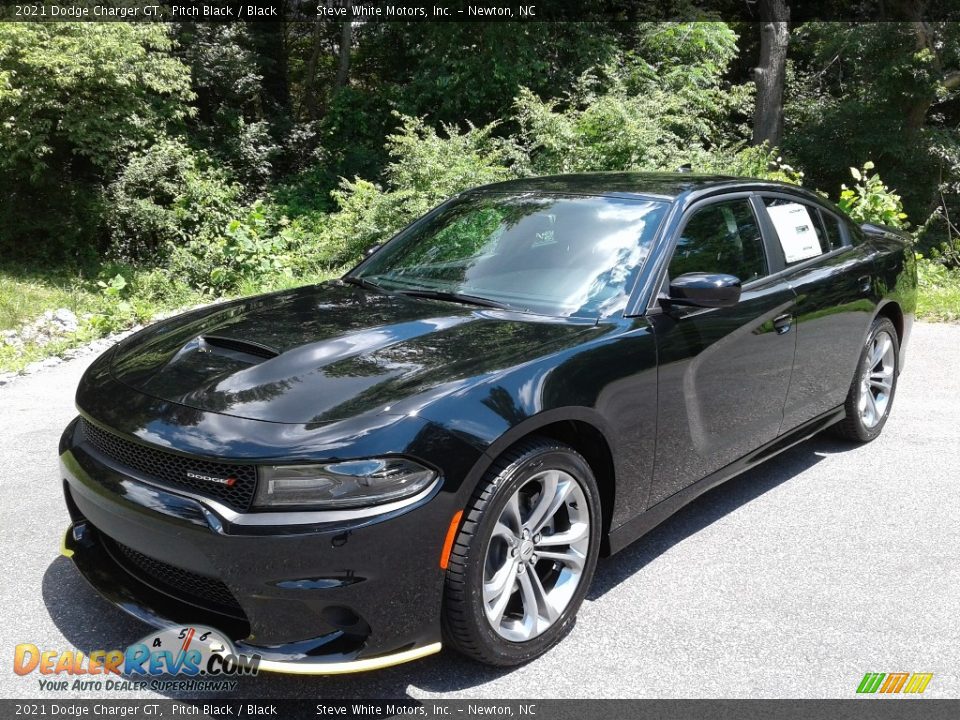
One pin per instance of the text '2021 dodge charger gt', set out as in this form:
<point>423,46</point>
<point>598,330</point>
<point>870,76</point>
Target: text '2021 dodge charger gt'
<point>437,447</point>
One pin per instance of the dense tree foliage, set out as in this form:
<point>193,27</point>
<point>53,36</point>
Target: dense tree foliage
<point>75,102</point>
<point>217,152</point>
<point>881,92</point>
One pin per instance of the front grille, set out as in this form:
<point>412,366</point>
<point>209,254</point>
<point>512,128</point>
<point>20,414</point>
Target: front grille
<point>169,469</point>
<point>200,589</point>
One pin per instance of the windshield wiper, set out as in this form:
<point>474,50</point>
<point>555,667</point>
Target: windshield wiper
<point>362,282</point>
<point>452,297</point>
<point>425,293</point>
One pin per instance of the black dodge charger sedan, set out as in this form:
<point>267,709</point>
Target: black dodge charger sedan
<point>437,447</point>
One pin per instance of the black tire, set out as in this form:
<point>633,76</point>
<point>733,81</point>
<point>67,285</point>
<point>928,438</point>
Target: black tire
<point>852,427</point>
<point>465,624</point>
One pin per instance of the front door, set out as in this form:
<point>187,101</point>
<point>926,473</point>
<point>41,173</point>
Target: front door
<point>723,373</point>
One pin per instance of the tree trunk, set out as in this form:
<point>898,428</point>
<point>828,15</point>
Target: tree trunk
<point>346,39</point>
<point>770,74</point>
<point>310,81</point>
<point>269,44</point>
<point>925,40</point>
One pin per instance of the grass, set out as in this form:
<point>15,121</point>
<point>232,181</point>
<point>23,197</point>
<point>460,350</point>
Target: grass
<point>25,294</point>
<point>938,299</point>
<point>940,304</point>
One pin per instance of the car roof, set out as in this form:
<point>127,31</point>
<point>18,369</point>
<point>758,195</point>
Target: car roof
<point>664,185</point>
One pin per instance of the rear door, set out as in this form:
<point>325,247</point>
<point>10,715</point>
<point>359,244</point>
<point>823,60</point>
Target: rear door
<point>833,279</point>
<point>723,373</point>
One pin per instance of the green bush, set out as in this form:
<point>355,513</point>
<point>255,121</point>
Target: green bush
<point>613,130</point>
<point>750,161</point>
<point>630,116</point>
<point>116,311</point>
<point>127,296</point>
<point>601,127</point>
<point>870,200</point>
<point>75,99</point>
<point>664,103</point>
<point>164,196</point>
<point>255,245</point>
<point>425,169</point>
<point>159,287</point>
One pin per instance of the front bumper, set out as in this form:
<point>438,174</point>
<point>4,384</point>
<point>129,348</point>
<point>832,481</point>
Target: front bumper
<point>333,597</point>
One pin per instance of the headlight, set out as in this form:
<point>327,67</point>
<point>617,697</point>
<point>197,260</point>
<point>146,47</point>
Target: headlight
<point>346,484</point>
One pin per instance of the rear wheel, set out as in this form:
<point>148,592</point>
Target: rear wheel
<point>874,385</point>
<point>525,556</point>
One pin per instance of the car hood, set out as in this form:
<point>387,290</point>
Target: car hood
<point>327,352</point>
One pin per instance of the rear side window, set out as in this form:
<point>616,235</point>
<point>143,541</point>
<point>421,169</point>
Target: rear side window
<point>832,227</point>
<point>721,238</point>
<point>800,229</point>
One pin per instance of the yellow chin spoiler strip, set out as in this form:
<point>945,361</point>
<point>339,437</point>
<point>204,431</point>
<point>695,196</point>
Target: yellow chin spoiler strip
<point>354,666</point>
<point>64,550</point>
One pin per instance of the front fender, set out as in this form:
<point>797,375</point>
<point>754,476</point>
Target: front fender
<point>609,384</point>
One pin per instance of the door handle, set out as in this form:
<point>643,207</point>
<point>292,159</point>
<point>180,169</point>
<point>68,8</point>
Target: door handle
<point>865,283</point>
<point>783,323</point>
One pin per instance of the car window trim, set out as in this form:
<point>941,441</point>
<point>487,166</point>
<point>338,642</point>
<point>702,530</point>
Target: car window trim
<point>642,285</point>
<point>775,259</point>
<point>663,261</point>
<point>809,262</point>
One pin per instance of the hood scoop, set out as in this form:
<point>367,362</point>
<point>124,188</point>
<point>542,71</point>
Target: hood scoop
<point>325,353</point>
<point>234,348</point>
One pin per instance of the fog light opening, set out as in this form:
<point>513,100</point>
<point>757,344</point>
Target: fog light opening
<point>340,617</point>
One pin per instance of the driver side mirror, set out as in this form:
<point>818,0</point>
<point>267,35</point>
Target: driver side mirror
<point>705,290</point>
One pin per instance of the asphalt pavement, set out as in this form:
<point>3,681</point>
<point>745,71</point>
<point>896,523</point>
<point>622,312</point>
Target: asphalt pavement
<point>792,580</point>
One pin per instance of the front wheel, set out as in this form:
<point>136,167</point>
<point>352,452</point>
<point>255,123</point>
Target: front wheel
<point>874,385</point>
<point>525,555</point>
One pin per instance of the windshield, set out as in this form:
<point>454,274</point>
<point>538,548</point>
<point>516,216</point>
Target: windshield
<point>553,254</point>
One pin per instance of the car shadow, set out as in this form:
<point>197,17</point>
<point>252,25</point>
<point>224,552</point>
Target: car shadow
<point>710,507</point>
<point>90,623</point>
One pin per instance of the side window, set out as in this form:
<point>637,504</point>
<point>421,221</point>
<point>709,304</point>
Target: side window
<point>799,229</point>
<point>832,227</point>
<point>721,238</point>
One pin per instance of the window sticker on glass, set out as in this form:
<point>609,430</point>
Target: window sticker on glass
<point>798,235</point>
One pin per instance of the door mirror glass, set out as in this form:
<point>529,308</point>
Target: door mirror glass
<point>708,290</point>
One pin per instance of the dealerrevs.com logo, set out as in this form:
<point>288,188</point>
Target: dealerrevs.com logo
<point>202,658</point>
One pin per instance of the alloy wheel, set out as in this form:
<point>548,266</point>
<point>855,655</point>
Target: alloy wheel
<point>536,555</point>
<point>876,382</point>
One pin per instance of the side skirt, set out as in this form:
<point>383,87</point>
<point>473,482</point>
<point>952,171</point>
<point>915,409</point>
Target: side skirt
<point>649,519</point>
